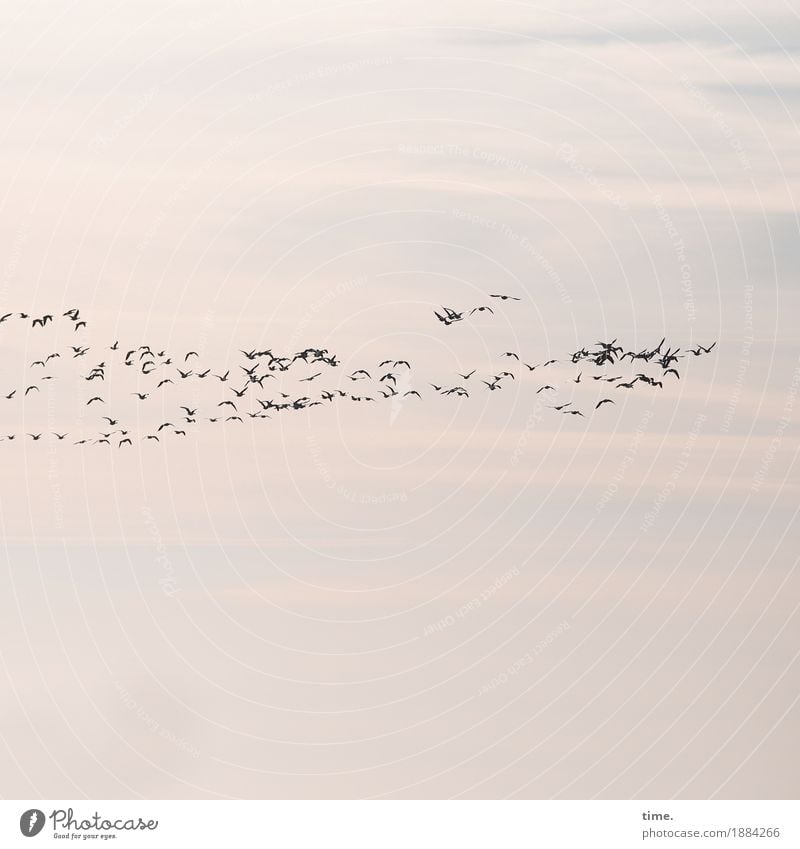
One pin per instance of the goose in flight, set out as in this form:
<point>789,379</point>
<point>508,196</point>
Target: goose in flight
<point>701,350</point>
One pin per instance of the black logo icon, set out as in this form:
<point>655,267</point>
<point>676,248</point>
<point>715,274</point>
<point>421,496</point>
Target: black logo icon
<point>31,822</point>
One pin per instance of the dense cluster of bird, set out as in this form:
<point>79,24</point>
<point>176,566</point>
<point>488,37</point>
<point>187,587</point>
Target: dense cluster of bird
<point>246,389</point>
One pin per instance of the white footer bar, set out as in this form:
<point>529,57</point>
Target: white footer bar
<point>401,824</point>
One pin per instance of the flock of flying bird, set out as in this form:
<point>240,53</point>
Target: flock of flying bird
<point>247,388</point>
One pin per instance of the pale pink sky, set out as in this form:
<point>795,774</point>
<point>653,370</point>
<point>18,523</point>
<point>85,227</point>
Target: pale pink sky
<point>454,599</point>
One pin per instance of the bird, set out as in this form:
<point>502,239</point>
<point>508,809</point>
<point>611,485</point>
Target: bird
<point>506,297</point>
<point>268,363</point>
<point>701,350</point>
<point>449,317</point>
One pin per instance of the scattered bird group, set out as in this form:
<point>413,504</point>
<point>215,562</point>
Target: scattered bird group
<point>245,390</point>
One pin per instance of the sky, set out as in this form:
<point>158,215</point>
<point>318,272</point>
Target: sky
<point>476,599</point>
